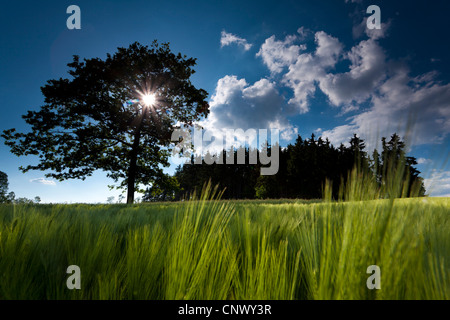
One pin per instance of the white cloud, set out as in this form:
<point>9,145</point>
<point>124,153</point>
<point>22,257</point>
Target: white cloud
<point>399,105</point>
<point>340,134</point>
<point>424,161</point>
<point>438,184</point>
<point>289,133</point>
<point>307,70</point>
<point>43,181</point>
<point>239,105</point>
<point>348,108</point>
<point>382,95</point>
<point>392,97</point>
<point>328,49</point>
<point>279,54</point>
<point>367,70</point>
<point>229,38</point>
<point>310,68</point>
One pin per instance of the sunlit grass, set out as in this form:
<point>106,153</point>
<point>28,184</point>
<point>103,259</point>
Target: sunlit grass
<point>212,249</point>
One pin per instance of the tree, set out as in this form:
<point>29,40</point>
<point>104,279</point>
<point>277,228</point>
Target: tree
<point>399,176</point>
<point>357,147</point>
<point>375,166</point>
<point>11,197</point>
<point>266,187</point>
<point>23,200</point>
<point>163,189</point>
<point>116,115</point>
<point>4,196</point>
<point>3,186</point>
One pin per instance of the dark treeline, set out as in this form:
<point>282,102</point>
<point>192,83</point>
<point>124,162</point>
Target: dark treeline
<point>303,169</point>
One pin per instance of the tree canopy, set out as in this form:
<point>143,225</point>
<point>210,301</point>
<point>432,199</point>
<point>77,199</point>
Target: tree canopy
<point>115,115</point>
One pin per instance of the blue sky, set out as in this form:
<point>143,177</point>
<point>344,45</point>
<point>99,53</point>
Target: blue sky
<point>300,66</point>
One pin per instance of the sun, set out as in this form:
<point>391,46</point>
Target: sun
<point>149,99</point>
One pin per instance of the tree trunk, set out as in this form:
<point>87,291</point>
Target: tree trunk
<point>132,170</point>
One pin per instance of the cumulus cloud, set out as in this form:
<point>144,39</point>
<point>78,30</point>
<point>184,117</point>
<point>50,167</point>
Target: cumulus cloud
<point>229,38</point>
<point>43,181</point>
<point>424,161</point>
<point>278,54</point>
<point>367,70</point>
<point>306,70</point>
<point>303,69</point>
<point>381,92</point>
<point>438,183</point>
<point>310,68</point>
<point>419,112</point>
<point>237,104</point>
<point>340,134</point>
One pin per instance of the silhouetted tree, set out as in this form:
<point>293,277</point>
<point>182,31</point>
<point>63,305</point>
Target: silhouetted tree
<point>357,147</point>
<point>376,166</point>
<point>100,118</point>
<point>399,177</point>
<point>163,189</point>
<point>3,186</point>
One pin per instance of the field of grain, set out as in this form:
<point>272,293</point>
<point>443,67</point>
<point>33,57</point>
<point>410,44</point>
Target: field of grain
<point>213,249</point>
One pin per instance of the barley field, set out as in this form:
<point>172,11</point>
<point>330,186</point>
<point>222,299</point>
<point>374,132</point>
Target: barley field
<point>207,248</point>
